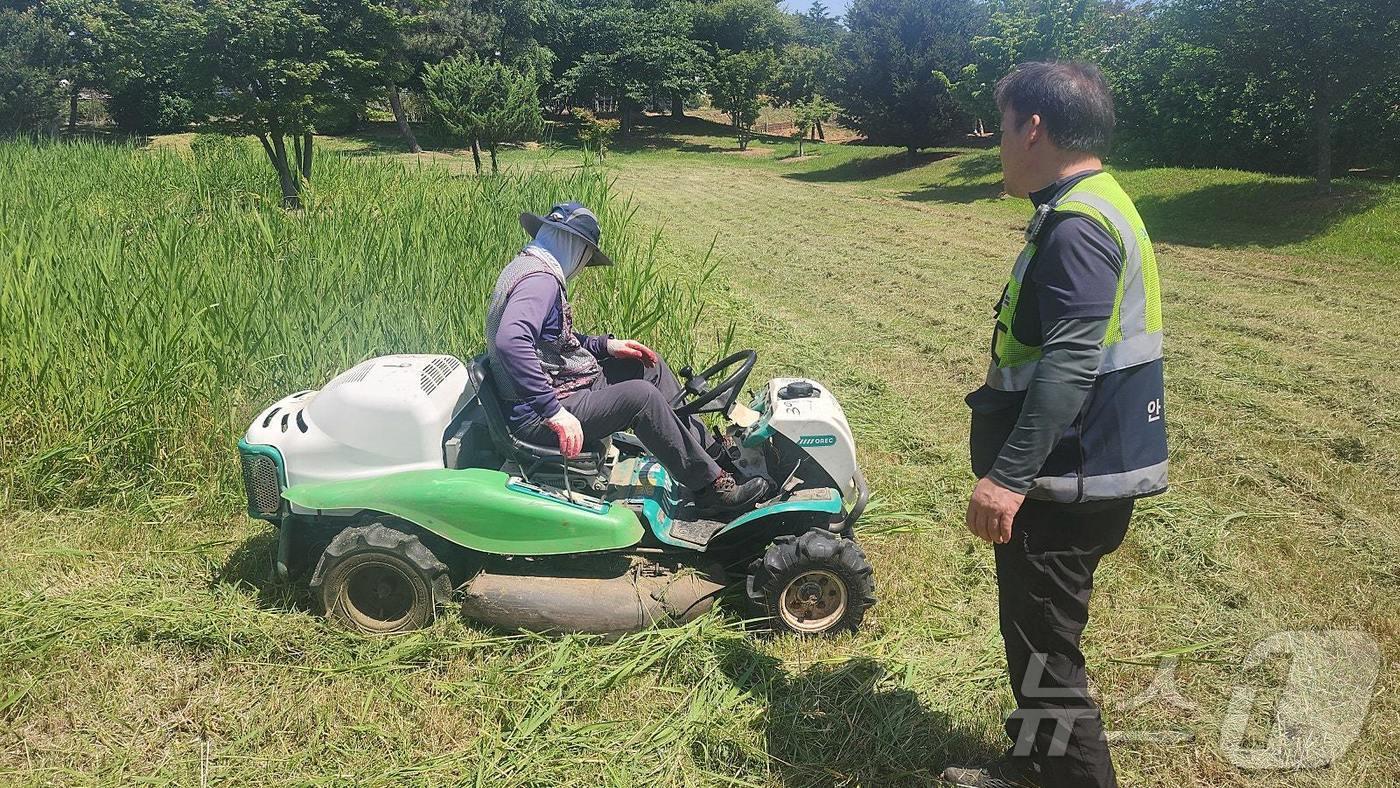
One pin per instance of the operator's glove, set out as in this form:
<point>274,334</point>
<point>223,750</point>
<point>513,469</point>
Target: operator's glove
<point>631,348</point>
<point>569,431</point>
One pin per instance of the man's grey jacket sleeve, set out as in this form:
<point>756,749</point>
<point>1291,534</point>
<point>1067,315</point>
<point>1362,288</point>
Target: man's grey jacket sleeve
<point>1068,366</point>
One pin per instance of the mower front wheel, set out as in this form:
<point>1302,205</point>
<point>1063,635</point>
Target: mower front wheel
<point>817,583</point>
<point>379,580</point>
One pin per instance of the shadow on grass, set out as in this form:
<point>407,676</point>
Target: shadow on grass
<point>110,135</point>
<point>848,723</point>
<point>1264,212</point>
<point>250,565</point>
<point>1261,213</point>
<point>864,169</point>
<point>383,137</point>
<point>650,132</point>
<point>967,181</point>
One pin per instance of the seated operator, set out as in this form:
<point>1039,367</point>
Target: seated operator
<point>577,388</point>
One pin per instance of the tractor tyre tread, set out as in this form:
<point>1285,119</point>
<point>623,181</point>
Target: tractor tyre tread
<point>384,537</point>
<point>788,555</point>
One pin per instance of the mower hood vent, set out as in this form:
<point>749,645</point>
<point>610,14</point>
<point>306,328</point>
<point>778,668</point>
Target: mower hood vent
<point>354,374</point>
<point>436,371</point>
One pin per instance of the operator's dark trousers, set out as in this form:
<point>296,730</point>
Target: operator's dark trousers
<point>632,396</point>
<point>1044,577</point>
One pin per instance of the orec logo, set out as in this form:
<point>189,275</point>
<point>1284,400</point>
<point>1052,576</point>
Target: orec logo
<point>816,440</point>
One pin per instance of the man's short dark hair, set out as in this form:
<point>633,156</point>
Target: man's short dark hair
<point>1072,100</point>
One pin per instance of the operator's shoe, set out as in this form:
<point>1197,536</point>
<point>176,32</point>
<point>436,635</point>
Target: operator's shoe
<point>725,496</point>
<point>1006,772</point>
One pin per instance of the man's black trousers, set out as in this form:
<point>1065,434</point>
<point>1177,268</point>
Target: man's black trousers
<point>1044,577</point>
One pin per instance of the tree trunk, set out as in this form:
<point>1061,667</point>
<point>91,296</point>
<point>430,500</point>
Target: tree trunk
<point>492,149</point>
<point>910,154</point>
<point>396,104</point>
<point>276,150</point>
<point>310,140</point>
<point>476,154</point>
<point>800,140</point>
<point>1322,131</point>
<point>626,118</point>
<point>821,135</point>
<point>73,108</point>
<point>677,104</point>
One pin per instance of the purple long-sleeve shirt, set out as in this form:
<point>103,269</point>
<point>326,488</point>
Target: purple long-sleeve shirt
<point>532,315</point>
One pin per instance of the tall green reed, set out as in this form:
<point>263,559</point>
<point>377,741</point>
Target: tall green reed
<point>152,301</point>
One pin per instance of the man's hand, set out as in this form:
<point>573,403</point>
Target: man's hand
<point>991,510</point>
<point>631,348</point>
<point>570,433</point>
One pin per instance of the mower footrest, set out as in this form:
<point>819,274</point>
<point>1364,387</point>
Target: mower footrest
<point>696,532</point>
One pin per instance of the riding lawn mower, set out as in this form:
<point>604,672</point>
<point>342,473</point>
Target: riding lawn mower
<point>399,490</point>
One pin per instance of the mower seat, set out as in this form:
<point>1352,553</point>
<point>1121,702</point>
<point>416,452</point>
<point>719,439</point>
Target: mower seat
<point>522,452</point>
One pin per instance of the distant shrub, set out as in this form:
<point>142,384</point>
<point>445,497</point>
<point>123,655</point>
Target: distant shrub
<point>141,108</point>
<point>213,148</point>
<point>594,132</point>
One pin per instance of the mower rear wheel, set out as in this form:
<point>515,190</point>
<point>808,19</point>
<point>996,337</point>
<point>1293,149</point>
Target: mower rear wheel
<point>380,580</point>
<point>817,583</point>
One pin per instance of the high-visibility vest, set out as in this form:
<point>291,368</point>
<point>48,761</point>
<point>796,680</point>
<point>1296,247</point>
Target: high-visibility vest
<point>1117,447</point>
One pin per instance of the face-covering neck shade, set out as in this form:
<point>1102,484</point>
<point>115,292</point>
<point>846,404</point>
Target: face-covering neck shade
<point>569,250</point>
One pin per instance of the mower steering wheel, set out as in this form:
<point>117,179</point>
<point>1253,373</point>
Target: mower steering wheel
<point>697,396</point>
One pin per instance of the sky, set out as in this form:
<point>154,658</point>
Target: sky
<point>833,7</point>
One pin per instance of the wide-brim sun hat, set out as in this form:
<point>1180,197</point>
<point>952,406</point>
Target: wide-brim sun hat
<point>571,217</point>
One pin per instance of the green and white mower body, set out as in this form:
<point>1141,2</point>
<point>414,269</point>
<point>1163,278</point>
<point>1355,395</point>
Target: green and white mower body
<point>397,484</point>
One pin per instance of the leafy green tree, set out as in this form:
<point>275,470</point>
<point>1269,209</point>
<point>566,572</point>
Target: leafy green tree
<point>808,65</point>
<point>398,48</point>
<point>743,25</point>
<point>1322,54</point>
<point>96,41</point>
<point>893,61</point>
<point>738,87</point>
<point>1018,31</point>
<point>149,80</point>
<point>816,27</point>
<point>423,32</point>
<point>270,67</point>
<point>485,101</point>
<point>31,63</point>
<point>634,50</point>
<point>808,117</point>
<point>802,72</point>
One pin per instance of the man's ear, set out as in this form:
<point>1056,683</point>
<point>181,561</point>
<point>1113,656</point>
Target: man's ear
<point>1035,130</point>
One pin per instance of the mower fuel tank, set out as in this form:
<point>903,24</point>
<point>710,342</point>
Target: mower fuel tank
<point>804,412</point>
<point>384,415</point>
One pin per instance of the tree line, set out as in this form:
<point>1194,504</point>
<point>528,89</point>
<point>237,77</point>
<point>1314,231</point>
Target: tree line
<point>1275,85</point>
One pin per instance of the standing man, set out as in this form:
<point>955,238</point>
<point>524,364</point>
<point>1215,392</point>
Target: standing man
<point>1069,428</point>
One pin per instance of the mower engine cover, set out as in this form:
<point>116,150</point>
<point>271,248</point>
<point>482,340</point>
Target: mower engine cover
<point>382,416</point>
<point>804,412</point>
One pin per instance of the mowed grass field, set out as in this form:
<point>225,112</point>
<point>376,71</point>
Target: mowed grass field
<point>141,639</point>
